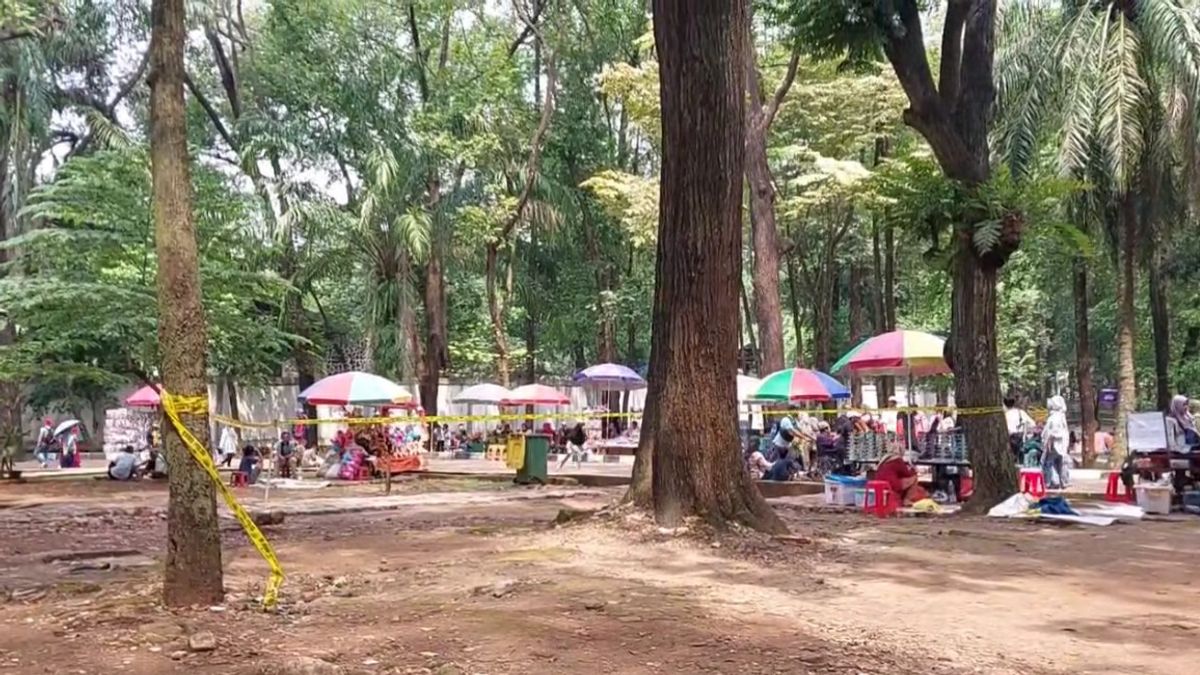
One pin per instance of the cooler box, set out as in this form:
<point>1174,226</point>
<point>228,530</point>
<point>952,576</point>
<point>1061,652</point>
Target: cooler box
<point>839,490</point>
<point>536,456</point>
<point>1154,498</point>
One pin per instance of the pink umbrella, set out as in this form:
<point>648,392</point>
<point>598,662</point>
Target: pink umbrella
<point>900,352</point>
<point>146,397</point>
<point>355,388</point>
<point>535,394</point>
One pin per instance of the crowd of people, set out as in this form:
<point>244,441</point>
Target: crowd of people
<point>797,443</point>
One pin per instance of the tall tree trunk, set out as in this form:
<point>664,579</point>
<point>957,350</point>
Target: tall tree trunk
<point>749,326</point>
<point>822,313</point>
<point>1160,319</point>
<point>192,573</point>
<point>436,351</point>
<point>1126,325</point>
<point>857,324</point>
<point>887,385</point>
<point>631,330</point>
<point>496,311</point>
<point>1083,362</point>
<point>12,404</point>
<point>697,466</point>
<point>880,313</point>
<point>768,310</point>
<point>235,412</point>
<point>794,297</point>
<point>764,275</point>
<point>976,374</point>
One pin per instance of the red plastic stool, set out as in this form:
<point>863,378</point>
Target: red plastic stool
<point>1111,493</point>
<point>878,499</point>
<point>238,478</point>
<point>363,473</point>
<point>1033,482</point>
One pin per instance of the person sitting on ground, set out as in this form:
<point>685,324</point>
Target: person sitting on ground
<point>785,468</point>
<point>124,466</point>
<point>250,464</point>
<point>756,463</point>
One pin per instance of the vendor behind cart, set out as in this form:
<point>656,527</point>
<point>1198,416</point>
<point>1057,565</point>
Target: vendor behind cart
<point>1181,426</point>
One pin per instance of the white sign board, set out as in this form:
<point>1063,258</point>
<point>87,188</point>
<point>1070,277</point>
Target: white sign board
<point>1147,431</point>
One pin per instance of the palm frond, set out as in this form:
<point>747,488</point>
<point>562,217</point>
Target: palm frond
<point>1120,101</point>
<point>1079,55</point>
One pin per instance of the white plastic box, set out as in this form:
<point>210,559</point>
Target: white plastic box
<point>839,494</point>
<point>1154,498</point>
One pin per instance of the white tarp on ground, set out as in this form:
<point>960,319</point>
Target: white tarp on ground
<point>292,483</point>
<point>1019,505</point>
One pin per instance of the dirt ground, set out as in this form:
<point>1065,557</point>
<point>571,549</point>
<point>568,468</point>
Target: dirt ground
<point>461,577</point>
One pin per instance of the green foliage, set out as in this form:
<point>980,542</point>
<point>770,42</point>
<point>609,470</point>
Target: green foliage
<point>80,291</point>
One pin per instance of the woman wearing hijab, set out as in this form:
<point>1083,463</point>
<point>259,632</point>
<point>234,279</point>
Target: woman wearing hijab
<point>1056,439</point>
<point>1181,426</point>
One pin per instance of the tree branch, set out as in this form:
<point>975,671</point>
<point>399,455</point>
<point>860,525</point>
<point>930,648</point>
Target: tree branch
<point>530,21</point>
<point>535,151</point>
<point>415,33</point>
<point>212,113</point>
<point>780,93</point>
<point>949,75</point>
<point>444,49</point>
<point>228,78</point>
<point>905,49</point>
<point>127,88</point>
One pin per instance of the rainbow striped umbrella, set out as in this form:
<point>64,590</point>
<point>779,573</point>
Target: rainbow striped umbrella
<point>900,352</point>
<point>355,388</point>
<point>800,384</point>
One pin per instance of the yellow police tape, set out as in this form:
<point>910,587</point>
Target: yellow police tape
<point>173,407</point>
<point>526,417</point>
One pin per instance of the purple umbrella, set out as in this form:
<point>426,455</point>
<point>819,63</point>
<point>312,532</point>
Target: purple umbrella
<point>610,377</point>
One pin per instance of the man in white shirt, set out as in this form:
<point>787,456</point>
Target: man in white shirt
<point>1019,421</point>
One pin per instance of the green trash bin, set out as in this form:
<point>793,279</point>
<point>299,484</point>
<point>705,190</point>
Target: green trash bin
<point>537,452</point>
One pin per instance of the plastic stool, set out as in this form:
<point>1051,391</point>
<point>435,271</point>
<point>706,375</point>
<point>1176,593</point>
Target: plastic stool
<point>1033,482</point>
<point>238,478</point>
<point>363,473</point>
<point>878,499</point>
<point>1111,492</point>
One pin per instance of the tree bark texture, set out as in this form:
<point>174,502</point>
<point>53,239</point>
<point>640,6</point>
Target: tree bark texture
<point>1160,321</point>
<point>436,355</point>
<point>1126,324</point>
<point>193,572</point>
<point>976,375</point>
<point>496,312</point>
<point>697,464</point>
<point>797,319</point>
<point>768,311</point>
<point>1083,362</point>
<point>857,323</point>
